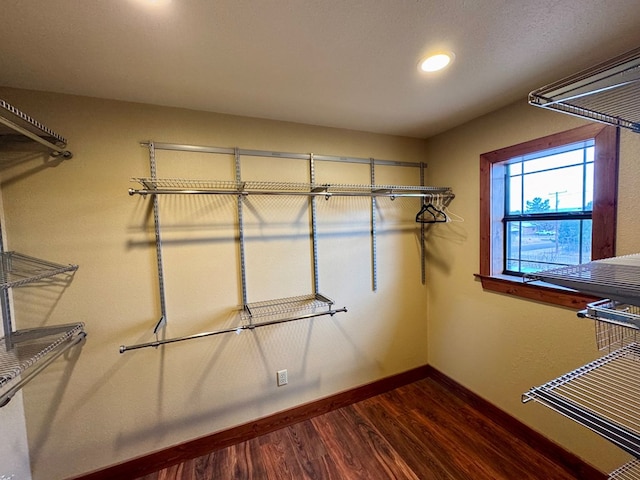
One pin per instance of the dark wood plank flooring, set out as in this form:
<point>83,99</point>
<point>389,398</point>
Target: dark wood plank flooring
<point>419,431</point>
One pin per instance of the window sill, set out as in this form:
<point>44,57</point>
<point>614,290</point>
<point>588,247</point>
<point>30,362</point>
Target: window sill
<point>537,291</point>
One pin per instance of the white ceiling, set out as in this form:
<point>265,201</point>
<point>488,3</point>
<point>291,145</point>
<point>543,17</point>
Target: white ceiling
<point>341,63</point>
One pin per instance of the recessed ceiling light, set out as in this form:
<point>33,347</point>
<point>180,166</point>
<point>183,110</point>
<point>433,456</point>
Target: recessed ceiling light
<point>156,2</point>
<point>436,62</point>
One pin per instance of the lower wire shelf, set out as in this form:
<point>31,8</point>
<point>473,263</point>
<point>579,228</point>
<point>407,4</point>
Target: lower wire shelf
<point>313,303</point>
<point>30,352</point>
<point>603,396</point>
<point>270,312</point>
<point>628,471</point>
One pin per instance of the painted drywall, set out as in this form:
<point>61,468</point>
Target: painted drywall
<point>97,407</point>
<point>496,345</point>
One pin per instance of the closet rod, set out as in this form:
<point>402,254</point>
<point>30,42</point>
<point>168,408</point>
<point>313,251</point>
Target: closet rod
<point>157,343</point>
<point>395,194</point>
<point>274,154</point>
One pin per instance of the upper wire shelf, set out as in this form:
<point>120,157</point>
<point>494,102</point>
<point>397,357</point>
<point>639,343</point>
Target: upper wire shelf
<point>607,93</point>
<point>20,122</point>
<point>190,186</point>
<point>18,269</point>
<point>616,278</point>
<point>603,396</point>
<point>31,351</point>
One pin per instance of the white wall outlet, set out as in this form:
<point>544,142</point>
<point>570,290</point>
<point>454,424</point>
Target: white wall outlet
<point>282,377</point>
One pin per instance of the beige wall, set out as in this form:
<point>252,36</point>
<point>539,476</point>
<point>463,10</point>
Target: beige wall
<point>99,407</point>
<point>496,345</point>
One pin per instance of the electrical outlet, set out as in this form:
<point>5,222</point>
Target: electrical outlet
<point>282,377</point>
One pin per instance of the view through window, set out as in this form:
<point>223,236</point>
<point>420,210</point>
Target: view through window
<point>544,203</point>
<point>548,208</point>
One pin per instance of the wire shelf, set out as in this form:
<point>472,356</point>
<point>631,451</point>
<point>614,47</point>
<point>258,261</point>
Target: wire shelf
<point>34,125</point>
<point>31,351</point>
<point>628,471</point>
<point>606,93</point>
<point>615,312</point>
<point>603,396</point>
<point>616,278</point>
<point>22,126</point>
<point>186,186</point>
<point>313,303</point>
<point>611,336</point>
<point>18,269</point>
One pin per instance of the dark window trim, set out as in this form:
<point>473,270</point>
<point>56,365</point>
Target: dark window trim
<point>604,214</point>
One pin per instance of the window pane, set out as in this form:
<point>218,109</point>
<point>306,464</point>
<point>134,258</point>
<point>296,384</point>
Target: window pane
<point>514,201</point>
<point>535,246</point>
<point>515,168</point>
<point>588,190</point>
<point>554,161</point>
<point>539,250</point>
<point>559,190</point>
<point>513,246</point>
<point>586,241</point>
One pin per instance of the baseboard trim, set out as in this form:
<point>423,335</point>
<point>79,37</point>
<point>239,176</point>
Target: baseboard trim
<point>167,457</point>
<point>569,461</point>
<point>146,464</point>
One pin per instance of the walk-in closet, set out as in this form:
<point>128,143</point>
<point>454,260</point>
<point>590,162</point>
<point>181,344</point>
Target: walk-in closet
<point>325,240</point>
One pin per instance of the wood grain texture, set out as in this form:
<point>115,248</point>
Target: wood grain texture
<point>155,461</point>
<point>430,429</point>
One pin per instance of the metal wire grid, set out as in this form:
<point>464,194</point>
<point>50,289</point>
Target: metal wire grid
<point>23,116</point>
<point>606,93</point>
<point>277,307</point>
<point>615,278</point>
<point>230,186</point>
<point>628,471</point>
<point>611,336</point>
<point>610,311</point>
<point>615,107</point>
<point>17,269</point>
<point>23,355</point>
<point>603,396</point>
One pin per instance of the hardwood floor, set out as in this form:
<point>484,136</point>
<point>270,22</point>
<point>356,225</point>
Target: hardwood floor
<point>419,431</point>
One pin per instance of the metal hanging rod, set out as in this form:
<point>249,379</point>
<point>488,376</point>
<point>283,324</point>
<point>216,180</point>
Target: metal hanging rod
<point>58,148</point>
<point>237,330</point>
<point>274,154</point>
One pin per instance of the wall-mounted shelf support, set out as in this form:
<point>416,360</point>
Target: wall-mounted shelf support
<point>607,93</point>
<point>23,124</point>
<point>281,309</point>
<point>24,353</point>
<point>31,352</point>
<point>17,269</point>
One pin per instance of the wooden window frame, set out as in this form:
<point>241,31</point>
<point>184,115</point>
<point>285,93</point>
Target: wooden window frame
<point>605,206</point>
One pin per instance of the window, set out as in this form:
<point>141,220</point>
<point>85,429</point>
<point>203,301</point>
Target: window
<point>546,203</point>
